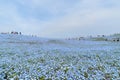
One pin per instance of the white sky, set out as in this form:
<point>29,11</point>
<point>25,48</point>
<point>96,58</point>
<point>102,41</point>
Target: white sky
<point>60,18</point>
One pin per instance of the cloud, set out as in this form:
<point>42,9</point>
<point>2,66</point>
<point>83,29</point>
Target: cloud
<point>61,18</point>
<point>86,20</point>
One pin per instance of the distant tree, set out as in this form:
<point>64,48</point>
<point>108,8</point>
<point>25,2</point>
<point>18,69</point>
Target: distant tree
<point>103,35</point>
<point>20,33</point>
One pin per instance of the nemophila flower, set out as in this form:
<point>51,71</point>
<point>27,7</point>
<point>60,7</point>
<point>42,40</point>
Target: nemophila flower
<point>27,60</point>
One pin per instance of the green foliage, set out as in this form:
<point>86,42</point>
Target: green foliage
<point>108,76</point>
<point>85,74</point>
<point>99,39</point>
<point>41,78</point>
<point>66,70</point>
<point>90,68</point>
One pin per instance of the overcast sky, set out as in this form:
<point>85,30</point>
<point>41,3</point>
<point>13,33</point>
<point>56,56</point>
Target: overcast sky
<point>60,18</point>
